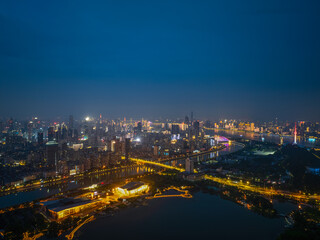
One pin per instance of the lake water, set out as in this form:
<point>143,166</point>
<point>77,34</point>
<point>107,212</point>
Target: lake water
<point>204,216</point>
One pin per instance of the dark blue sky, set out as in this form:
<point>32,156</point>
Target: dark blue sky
<point>228,58</point>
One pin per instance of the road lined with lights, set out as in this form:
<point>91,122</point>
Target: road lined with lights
<point>58,180</point>
<point>264,191</point>
<point>240,185</point>
<point>156,164</point>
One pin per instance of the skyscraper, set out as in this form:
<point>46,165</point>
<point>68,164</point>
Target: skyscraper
<point>189,165</point>
<point>52,154</point>
<point>186,120</point>
<point>40,138</point>
<point>51,133</point>
<point>71,122</point>
<point>196,127</point>
<point>127,148</point>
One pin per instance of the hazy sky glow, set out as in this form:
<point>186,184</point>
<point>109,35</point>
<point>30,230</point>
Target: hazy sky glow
<point>235,59</point>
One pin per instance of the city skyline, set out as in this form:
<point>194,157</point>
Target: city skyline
<point>223,60</point>
<point>197,118</point>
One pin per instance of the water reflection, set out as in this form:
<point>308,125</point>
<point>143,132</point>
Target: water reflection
<point>274,138</point>
<point>21,197</point>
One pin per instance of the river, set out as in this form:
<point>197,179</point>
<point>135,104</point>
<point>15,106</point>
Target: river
<point>27,196</point>
<point>38,193</point>
<point>274,138</point>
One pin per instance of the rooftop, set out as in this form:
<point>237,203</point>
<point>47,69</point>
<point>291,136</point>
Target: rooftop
<point>132,185</point>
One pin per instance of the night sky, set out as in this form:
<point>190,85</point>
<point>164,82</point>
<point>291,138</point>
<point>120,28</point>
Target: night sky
<point>222,59</point>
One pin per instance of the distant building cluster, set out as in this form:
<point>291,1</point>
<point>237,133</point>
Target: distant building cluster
<point>38,149</point>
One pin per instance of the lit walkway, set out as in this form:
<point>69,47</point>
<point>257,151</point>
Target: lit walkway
<point>71,235</point>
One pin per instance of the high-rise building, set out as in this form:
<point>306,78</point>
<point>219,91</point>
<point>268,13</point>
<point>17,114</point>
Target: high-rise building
<point>30,128</point>
<point>51,133</point>
<point>186,120</point>
<point>40,138</point>
<point>175,129</point>
<point>52,151</point>
<point>114,146</point>
<point>139,127</point>
<point>64,132</point>
<point>156,150</point>
<point>127,146</point>
<point>196,127</point>
<point>251,127</point>
<point>71,122</point>
<point>189,166</point>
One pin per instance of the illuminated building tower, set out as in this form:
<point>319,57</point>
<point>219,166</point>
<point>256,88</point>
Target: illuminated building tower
<point>115,145</point>
<point>251,127</point>
<point>127,148</point>
<point>189,165</point>
<point>191,117</point>
<point>57,135</point>
<point>52,154</point>
<point>295,134</point>
<point>51,134</point>
<point>138,129</point>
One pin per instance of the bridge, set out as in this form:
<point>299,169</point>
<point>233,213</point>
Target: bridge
<point>211,150</point>
<point>137,160</point>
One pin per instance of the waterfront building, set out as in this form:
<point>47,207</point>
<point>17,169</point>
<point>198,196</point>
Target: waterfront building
<point>131,189</point>
<point>59,209</point>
